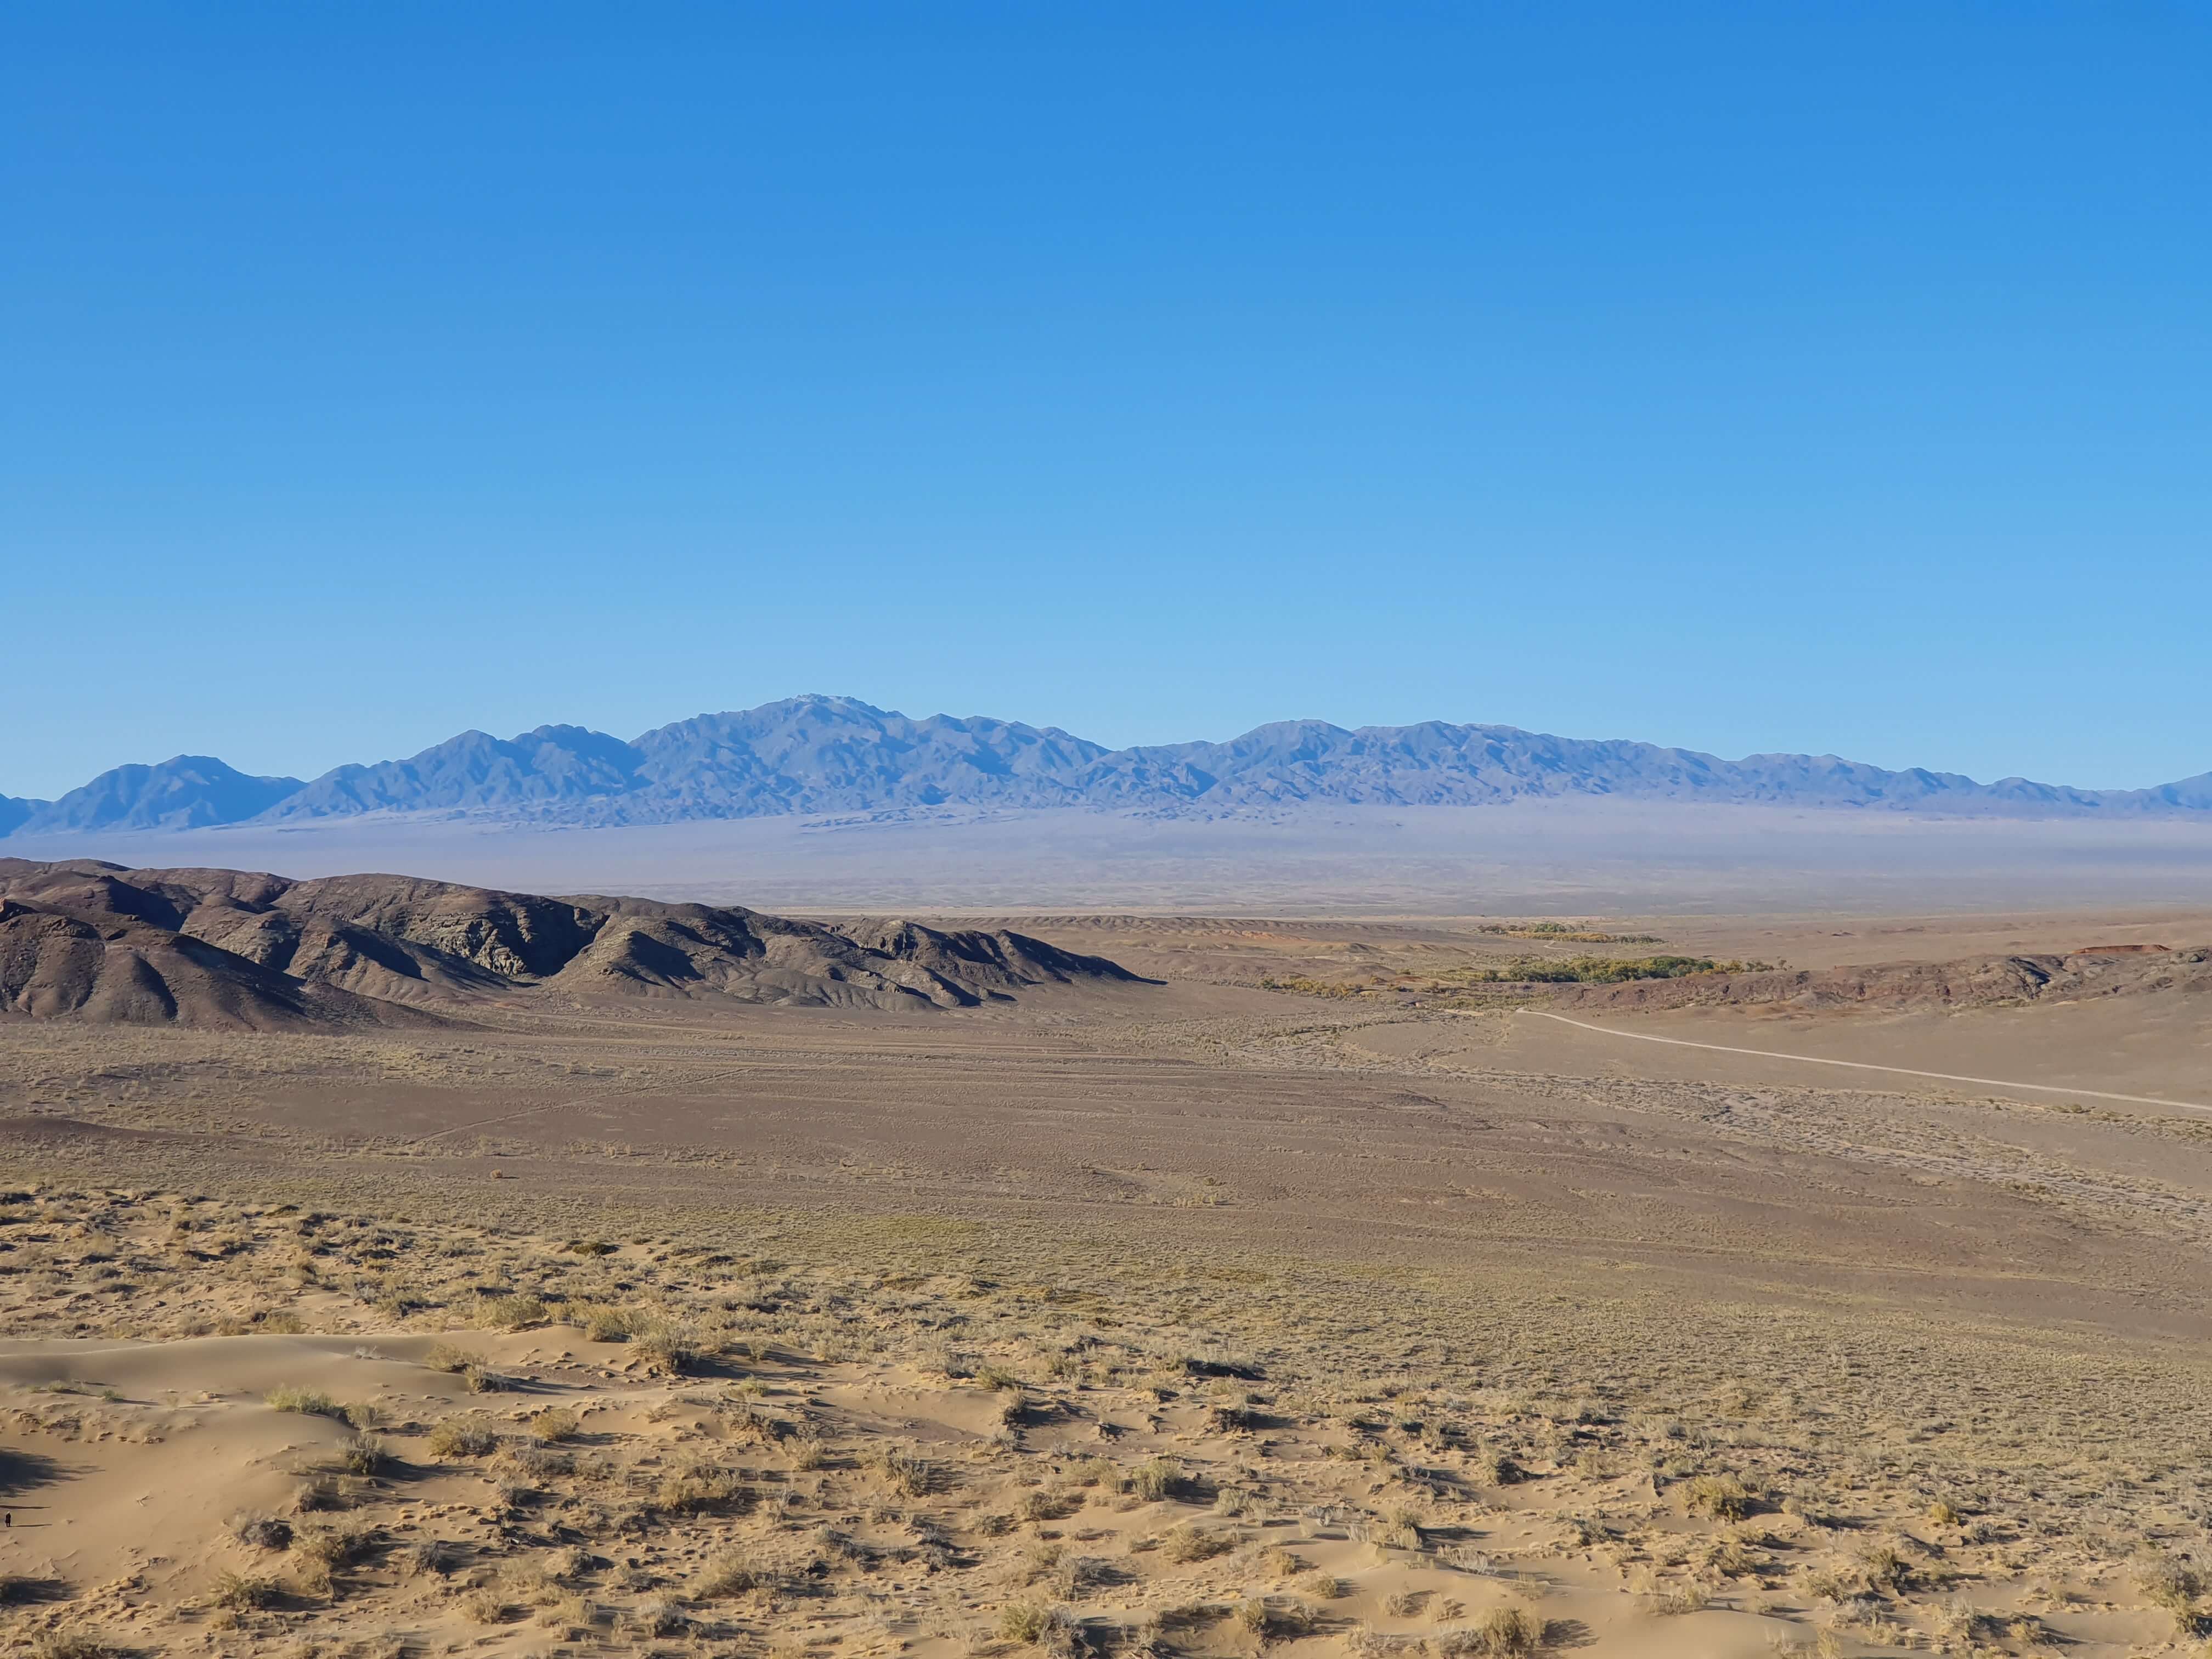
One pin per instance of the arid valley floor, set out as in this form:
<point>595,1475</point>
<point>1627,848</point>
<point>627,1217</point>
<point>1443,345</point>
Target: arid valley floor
<point>1384,1313</point>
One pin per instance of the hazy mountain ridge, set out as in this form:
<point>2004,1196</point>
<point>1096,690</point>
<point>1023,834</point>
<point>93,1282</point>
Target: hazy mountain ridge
<point>186,792</point>
<point>818,754</point>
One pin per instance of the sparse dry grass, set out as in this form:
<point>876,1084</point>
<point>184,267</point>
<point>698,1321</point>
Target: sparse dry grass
<point>1173,1445</point>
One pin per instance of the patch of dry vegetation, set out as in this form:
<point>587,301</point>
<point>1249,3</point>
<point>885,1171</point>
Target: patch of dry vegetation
<point>1087,1479</point>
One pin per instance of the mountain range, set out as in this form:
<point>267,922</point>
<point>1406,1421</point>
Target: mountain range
<point>826,755</point>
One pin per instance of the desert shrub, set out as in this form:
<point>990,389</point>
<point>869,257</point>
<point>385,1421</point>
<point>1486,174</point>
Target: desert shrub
<point>572,1615</point>
<point>1035,1626</point>
<point>1156,1478</point>
<point>556,1423</point>
<point>481,1379</point>
<point>462,1436</point>
<point>1732,1557</point>
<point>514,1312</point>
<point>2172,1586</point>
<point>1502,1633</point>
<point>311,1402</point>
<point>1680,1598</point>
<point>445,1357</point>
<point>807,1452</point>
<point>1324,1586</point>
<point>908,1475</point>
<point>487,1604</point>
<point>70,1644</point>
<point>1493,1468</point>
<point>364,1455</point>
<point>539,1463</point>
<point>731,1572</point>
<point>332,1545</point>
<point>696,1487</point>
<point>1722,1496</point>
<point>602,1322</point>
<point>262,1531</point>
<point>319,1492</point>
<point>365,1415</point>
<point>1885,1567</point>
<point>1047,1505</point>
<point>241,1591</point>
<point>659,1617</point>
<point>1077,1576</point>
<point>1827,1585</point>
<point>1274,1621</point>
<point>1186,1544</point>
<point>664,1349</point>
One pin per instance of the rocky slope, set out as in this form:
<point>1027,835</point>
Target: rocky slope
<point>831,755</point>
<point>231,949</point>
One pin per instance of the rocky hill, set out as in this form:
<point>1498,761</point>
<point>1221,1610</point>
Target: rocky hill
<point>831,754</point>
<point>230,949</point>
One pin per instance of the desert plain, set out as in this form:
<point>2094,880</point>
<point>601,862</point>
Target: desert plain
<point>1328,1288</point>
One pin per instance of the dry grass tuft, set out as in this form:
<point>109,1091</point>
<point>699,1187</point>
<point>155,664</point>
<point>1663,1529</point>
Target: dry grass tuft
<point>469,1435</point>
<point>1507,1633</point>
<point>1718,1497</point>
<point>310,1402</point>
<point>241,1592</point>
<point>556,1423</point>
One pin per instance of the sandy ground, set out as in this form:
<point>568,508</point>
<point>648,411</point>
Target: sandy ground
<point>1439,1325</point>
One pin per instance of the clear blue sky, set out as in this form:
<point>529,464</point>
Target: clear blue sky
<point>1784,376</point>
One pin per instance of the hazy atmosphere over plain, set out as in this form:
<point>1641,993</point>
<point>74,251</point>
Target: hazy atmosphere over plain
<point>1811,379</point>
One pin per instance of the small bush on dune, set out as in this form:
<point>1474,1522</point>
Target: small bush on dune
<point>664,1349</point>
<point>603,1322</point>
<point>364,1455</point>
<point>556,1423</point>
<point>514,1312</point>
<point>241,1591</point>
<point>445,1357</point>
<point>262,1531</point>
<point>1501,1633</point>
<point>695,1488</point>
<point>1035,1626</point>
<point>332,1545</point>
<point>733,1573</point>
<point>1155,1479</point>
<point>1722,1496</point>
<point>311,1402</point>
<point>2172,1586</point>
<point>462,1436</point>
<point>908,1475</point>
<point>1186,1544</point>
<point>71,1644</point>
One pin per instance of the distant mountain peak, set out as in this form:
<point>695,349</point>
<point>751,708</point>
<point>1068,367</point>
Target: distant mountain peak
<point>816,753</point>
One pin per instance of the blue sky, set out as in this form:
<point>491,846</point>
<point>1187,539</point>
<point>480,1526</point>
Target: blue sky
<point>1833,378</point>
